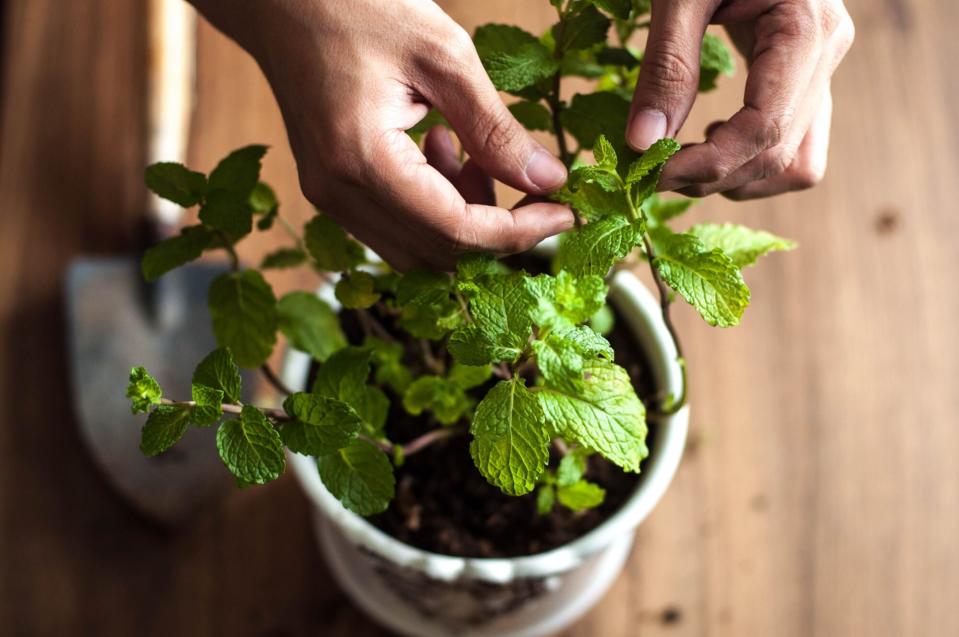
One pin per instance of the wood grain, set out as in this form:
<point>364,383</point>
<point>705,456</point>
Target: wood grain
<point>820,492</point>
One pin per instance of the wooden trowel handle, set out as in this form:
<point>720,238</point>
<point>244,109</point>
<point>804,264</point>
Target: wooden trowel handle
<point>171,27</point>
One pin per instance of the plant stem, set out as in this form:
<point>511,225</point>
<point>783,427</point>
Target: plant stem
<point>372,326</point>
<point>664,303</point>
<point>556,108</point>
<point>230,250</point>
<point>290,230</point>
<point>274,380</point>
<point>502,371</point>
<point>229,408</point>
<point>430,437</point>
<point>432,363</point>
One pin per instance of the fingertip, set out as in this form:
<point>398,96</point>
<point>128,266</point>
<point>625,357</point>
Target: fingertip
<point>546,219</point>
<point>545,171</point>
<point>646,128</point>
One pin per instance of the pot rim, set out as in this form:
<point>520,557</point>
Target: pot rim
<point>641,311</point>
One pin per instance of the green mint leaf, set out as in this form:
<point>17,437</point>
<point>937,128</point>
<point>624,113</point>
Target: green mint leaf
<point>581,62</point>
<point>143,390</point>
<point>595,247</point>
<point>448,401</point>
<point>606,179</point>
<point>532,115</point>
<point>579,298</point>
<point>244,315</point>
<point>209,405</point>
<point>591,115</point>
<point>239,171</point>
<point>581,495</point>
<point>559,363</point>
<point>251,447</point>
<point>658,210</point>
<point>446,397</point>
<point>561,355</point>
<point>603,321</point>
<point>592,201</point>
<point>513,58</point>
<point>605,416</point>
<point>545,499</point>
<point>219,371</point>
<point>706,278</point>
<point>176,251</point>
<point>581,31</point>
<point>310,324</point>
<point>355,290</point>
<point>470,346</point>
<point>388,364</point>
<point>715,59</point>
<point>572,467</point>
<point>322,425</point>
<point>612,56</point>
<point>641,7</point>
<point>283,258</point>
<point>227,211</point>
<point>741,244</point>
<point>426,308</point>
<point>329,245</point>
<point>476,264</point>
<point>174,182</point>
<point>584,340</point>
<point>262,199</point>
<point>266,221</point>
<point>653,159</point>
<point>359,476</point>
<point>617,8</point>
<point>164,427</point>
<point>501,307</point>
<point>510,445</point>
<point>469,376</point>
<point>343,376</point>
<point>605,154</point>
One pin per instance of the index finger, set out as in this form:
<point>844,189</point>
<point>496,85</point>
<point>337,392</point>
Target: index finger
<point>401,180</point>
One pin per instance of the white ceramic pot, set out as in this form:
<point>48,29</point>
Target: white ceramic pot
<point>416,592</point>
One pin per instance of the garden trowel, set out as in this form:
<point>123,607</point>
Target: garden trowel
<point>117,321</point>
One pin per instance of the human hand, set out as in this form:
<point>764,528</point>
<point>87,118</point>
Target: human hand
<point>779,140</point>
<point>350,78</point>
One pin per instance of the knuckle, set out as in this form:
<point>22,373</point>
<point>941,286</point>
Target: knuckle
<point>796,20</point>
<point>771,128</point>
<point>775,162</point>
<point>447,52</point>
<point>806,175</point>
<point>716,168</point>
<point>845,34</point>
<point>499,134</point>
<point>667,69</point>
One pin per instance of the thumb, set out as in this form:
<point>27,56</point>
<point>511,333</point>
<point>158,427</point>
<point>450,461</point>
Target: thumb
<point>669,75</point>
<point>498,143</point>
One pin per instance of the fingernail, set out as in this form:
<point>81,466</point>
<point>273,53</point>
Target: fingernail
<point>545,171</point>
<point>646,128</point>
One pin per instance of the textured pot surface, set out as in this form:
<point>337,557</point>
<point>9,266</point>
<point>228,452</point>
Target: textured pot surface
<point>422,593</point>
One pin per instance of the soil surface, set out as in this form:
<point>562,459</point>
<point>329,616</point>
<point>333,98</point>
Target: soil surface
<point>444,505</point>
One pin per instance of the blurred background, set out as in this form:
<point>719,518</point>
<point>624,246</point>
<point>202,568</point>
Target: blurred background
<point>820,491</point>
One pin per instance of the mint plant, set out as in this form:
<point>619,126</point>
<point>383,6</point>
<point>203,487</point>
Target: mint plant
<point>517,361</point>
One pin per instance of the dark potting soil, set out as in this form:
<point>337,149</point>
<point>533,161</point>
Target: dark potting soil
<point>444,505</point>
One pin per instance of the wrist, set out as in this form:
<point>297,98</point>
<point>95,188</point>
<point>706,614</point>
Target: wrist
<point>252,25</point>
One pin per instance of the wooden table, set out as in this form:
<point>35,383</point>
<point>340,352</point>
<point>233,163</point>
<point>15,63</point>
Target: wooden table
<point>820,492</point>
